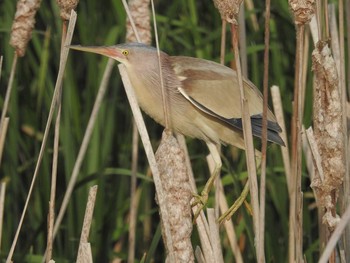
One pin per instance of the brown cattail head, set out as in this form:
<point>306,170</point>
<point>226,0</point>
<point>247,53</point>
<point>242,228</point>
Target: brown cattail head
<point>140,13</point>
<point>228,9</point>
<point>303,10</point>
<point>23,25</point>
<point>173,174</point>
<point>328,130</point>
<point>66,7</point>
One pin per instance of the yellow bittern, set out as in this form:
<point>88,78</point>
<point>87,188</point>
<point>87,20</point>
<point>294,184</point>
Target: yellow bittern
<point>203,97</point>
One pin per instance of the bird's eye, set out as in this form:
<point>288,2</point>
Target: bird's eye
<point>125,52</point>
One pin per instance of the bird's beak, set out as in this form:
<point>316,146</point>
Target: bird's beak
<point>111,52</point>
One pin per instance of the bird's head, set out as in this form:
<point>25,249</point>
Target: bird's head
<point>128,54</point>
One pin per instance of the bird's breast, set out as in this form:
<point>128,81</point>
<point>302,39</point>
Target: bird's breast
<point>148,92</point>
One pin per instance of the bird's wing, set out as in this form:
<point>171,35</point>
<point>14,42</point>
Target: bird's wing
<point>214,89</point>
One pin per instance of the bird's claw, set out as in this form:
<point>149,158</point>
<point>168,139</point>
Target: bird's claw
<point>200,201</point>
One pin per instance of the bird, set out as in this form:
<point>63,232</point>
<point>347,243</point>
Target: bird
<point>203,97</point>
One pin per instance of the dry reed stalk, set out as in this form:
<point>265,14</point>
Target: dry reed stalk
<point>214,236</point>
<point>249,146</point>
<point>305,68</point>
<point>63,60</point>
<point>223,42</point>
<point>336,235</point>
<point>302,12</point>
<point>229,11</point>
<point>51,214</point>
<point>199,255</point>
<point>151,160</point>
<point>229,227</point>
<point>166,105</point>
<point>2,206</point>
<point>66,6</point>
<point>278,109</point>
<point>173,174</point>
<point>252,15</point>
<point>344,91</point>
<point>84,251</point>
<point>139,10</point>
<point>3,132</point>
<point>347,21</point>
<point>243,41</point>
<point>133,195</point>
<point>131,20</point>
<point>264,134</point>
<point>81,154</point>
<point>8,93</point>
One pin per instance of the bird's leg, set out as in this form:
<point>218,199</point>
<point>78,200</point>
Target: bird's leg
<point>241,199</point>
<point>237,204</point>
<point>202,199</point>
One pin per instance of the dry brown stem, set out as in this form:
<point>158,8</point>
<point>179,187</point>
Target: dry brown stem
<point>173,173</point>
<point>2,206</point>
<point>328,129</point>
<point>248,141</point>
<point>23,25</point>
<point>84,251</point>
<point>66,7</point>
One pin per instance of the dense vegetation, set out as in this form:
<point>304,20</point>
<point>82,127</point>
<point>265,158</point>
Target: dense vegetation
<point>186,27</point>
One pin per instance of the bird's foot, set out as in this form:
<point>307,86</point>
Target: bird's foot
<point>237,204</point>
<point>200,201</point>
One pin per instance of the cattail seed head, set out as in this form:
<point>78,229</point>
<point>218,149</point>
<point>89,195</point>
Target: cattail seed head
<point>66,7</point>
<point>228,9</point>
<point>23,25</point>
<point>303,10</point>
<point>141,16</point>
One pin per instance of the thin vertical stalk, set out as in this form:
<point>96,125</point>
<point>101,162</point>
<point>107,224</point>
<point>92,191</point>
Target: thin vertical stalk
<point>243,41</point>
<point>2,206</point>
<point>126,7</point>
<point>9,89</point>
<point>223,41</point>
<point>248,140</point>
<point>343,94</point>
<point>84,144</point>
<point>264,135</point>
<point>63,60</point>
<point>347,21</point>
<point>3,132</point>
<point>133,199</point>
<point>51,214</point>
<point>295,237</point>
<point>165,102</point>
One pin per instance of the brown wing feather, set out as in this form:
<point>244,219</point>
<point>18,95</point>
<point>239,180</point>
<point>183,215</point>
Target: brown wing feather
<point>216,87</point>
